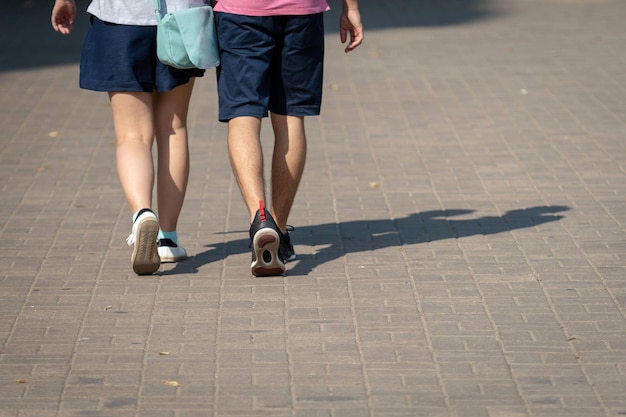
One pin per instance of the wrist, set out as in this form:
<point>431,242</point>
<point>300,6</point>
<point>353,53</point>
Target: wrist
<point>350,5</point>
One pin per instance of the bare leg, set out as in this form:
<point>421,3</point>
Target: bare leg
<point>287,164</point>
<point>246,157</point>
<point>132,119</point>
<point>170,124</point>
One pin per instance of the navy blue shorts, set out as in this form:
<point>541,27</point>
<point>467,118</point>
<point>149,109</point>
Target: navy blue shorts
<point>123,58</point>
<point>271,63</point>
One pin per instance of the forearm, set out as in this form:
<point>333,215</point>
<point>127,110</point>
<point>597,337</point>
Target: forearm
<point>350,5</point>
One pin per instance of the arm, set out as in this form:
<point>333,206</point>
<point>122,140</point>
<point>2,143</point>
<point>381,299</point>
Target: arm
<point>63,14</point>
<point>350,22</point>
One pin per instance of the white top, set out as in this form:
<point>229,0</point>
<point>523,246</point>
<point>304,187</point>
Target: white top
<point>135,12</point>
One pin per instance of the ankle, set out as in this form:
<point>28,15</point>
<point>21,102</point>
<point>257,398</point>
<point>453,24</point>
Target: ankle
<point>173,236</point>
<point>140,212</point>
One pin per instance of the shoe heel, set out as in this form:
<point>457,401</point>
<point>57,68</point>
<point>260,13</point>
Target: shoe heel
<point>265,246</point>
<point>145,259</point>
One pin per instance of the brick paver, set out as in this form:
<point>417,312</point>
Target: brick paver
<point>460,230</point>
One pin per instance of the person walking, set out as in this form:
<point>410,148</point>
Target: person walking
<point>271,55</point>
<point>148,100</point>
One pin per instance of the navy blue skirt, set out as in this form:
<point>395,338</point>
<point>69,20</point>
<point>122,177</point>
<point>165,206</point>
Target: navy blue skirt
<point>123,58</point>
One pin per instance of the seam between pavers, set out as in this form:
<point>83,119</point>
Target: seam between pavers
<point>92,296</point>
<point>357,335</point>
<point>416,296</point>
<point>220,298</point>
<point>574,241</point>
<point>146,344</point>
<point>290,371</point>
<point>42,266</point>
<point>546,294</point>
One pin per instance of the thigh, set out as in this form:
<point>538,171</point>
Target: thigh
<point>171,108</point>
<point>246,47</point>
<point>132,116</point>
<point>297,72</point>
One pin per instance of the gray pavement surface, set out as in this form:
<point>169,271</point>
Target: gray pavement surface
<point>460,230</point>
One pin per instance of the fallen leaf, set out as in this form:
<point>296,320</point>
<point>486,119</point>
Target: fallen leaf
<point>373,185</point>
<point>20,381</point>
<point>53,134</point>
<point>164,353</point>
<point>171,383</point>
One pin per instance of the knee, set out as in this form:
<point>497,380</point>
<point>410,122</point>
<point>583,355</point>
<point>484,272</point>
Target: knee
<point>134,139</point>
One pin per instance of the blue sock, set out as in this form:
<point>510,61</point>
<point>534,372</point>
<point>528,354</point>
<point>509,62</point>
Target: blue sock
<point>173,236</point>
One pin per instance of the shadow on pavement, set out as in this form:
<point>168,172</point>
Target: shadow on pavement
<point>339,239</point>
<point>378,14</point>
<point>28,41</point>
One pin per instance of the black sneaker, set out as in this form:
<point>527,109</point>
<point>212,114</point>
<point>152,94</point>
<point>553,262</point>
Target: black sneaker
<point>285,250</point>
<point>265,243</point>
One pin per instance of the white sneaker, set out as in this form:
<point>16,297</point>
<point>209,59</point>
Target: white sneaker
<point>145,258</point>
<point>170,251</point>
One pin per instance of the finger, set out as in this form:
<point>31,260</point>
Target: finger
<point>351,45</point>
<point>62,27</point>
<point>55,25</point>
<point>356,38</point>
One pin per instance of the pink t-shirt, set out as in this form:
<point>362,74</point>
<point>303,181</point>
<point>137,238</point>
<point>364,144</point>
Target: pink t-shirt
<point>271,7</point>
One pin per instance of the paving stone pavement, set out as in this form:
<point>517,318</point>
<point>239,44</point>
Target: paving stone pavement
<point>460,232</point>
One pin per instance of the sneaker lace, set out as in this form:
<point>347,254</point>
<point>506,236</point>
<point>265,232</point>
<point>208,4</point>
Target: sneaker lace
<point>130,239</point>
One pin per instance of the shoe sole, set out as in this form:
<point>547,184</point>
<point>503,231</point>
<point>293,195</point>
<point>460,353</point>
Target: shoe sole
<point>265,246</point>
<point>145,259</point>
<point>172,259</point>
<point>168,260</point>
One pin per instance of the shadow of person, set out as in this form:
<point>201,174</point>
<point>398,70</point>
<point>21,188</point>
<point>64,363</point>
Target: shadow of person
<point>338,239</point>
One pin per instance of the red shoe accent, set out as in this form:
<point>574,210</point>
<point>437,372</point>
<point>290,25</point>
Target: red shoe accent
<point>266,240</point>
<point>262,210</point>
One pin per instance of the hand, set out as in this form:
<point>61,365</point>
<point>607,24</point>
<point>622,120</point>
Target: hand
<point>350,22</point>
<point>63,14</point>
